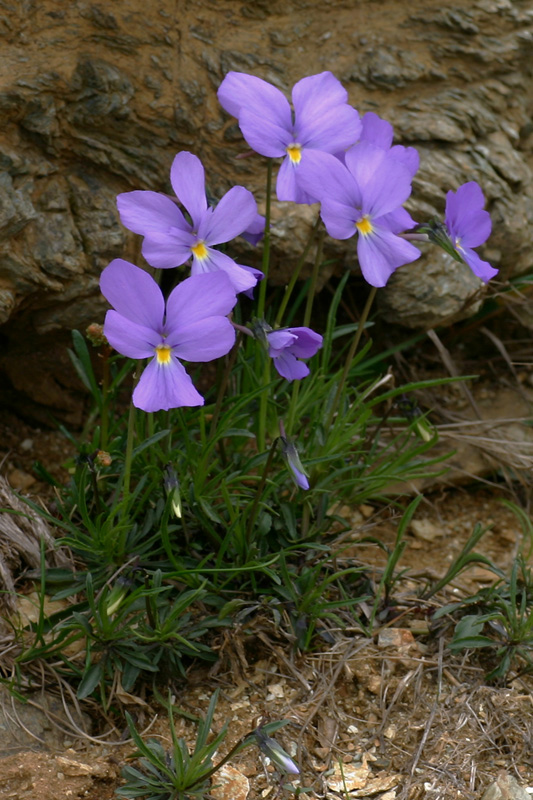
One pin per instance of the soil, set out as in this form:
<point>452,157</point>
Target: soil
<point>23,445</point>
<point>398,715</point>
<point>395,715</point>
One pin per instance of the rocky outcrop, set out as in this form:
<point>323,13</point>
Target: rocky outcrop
<point>96,99</point>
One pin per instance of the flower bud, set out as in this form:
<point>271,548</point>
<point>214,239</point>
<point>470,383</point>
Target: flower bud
<point>103,458</point>
<point>116,596</point>
<point>172,489</point>
<point>424,429</point>
<point>291,456</point>
<point>275,753</point>
<point>95,334</point>
<point>260,328</point>
<point>437,233</point>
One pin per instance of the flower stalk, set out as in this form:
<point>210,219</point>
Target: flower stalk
<point>128,458</point>
<point>259,493</point>
<point>352,351</point>
<point>314,279</point>
<point>266,243</point>
<point>296,274</point>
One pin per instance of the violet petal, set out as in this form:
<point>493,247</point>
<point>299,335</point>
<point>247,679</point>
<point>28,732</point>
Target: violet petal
<point>264,136</point>
<point>165,251</point>
<point>397,221</point>
<point>380,253</point>
<point>461,205</point>
<point>307,343</point>
<point>280,339</point>
<point>314,95</point>
<point>204,340</point>
<point>129,338</point>
<point>232,215</point>
<point>323,176</point>
<point>384,182</point>
<point>165,386</point>
<point>241,279</point>
<point>187,177</point>
<point>289,367</point>
<point>255,230</point>
<point>133,293</point>
<point>408,156</point>
<point>286,188</point>
<point>337,129</point>
<point>465,217</point>
<point>197,298</point>
<point>482,269</point>
<point>240,91</point>
<point>376,130</point>
<point>339,219</point>
<point>149,212</point>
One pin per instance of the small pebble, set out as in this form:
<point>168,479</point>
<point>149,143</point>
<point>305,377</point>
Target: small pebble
<point>20,480</point>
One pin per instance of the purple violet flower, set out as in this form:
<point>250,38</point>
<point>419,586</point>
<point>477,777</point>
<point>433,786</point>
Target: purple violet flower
<point>469,226</point>
<point>170,240</point>
<point>192,326</point>
<point>376,130</point>
<point>292,457</point>
<point>379,132</point>
<point>287,345</point>
<point>255,231</point>
<point>322,122</point>
<point>275,752</point>
<point>365,197</point>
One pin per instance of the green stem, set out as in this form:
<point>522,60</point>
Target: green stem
<point>352,352</point>
<point>414,237</point>
<point>263,400</point>
<point>150,430</point>
<point>266,244</point>
<point>259,493</point>
<point>263,406</point>
<point>206,775</point>
<point>104,417</point>
<point>201,425</point>
<point>295,275</point>
<point>96,492</point>
<point>307,318</point>
<point>230,363</point>
<point>306,518</point>
<point>292,407</point>
<point>168,438</point>
<point>314,279</point>
<point>129,448</point>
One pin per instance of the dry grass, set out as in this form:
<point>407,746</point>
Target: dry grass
<point>23,533</point>
<point>421,718</point>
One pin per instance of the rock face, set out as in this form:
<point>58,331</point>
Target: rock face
<point>97,98</point>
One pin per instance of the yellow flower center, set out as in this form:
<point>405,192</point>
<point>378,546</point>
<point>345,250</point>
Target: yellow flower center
<point>199,250</point>
<point>162,353</point>
<point>364,226</point>
<point>294,151</point>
